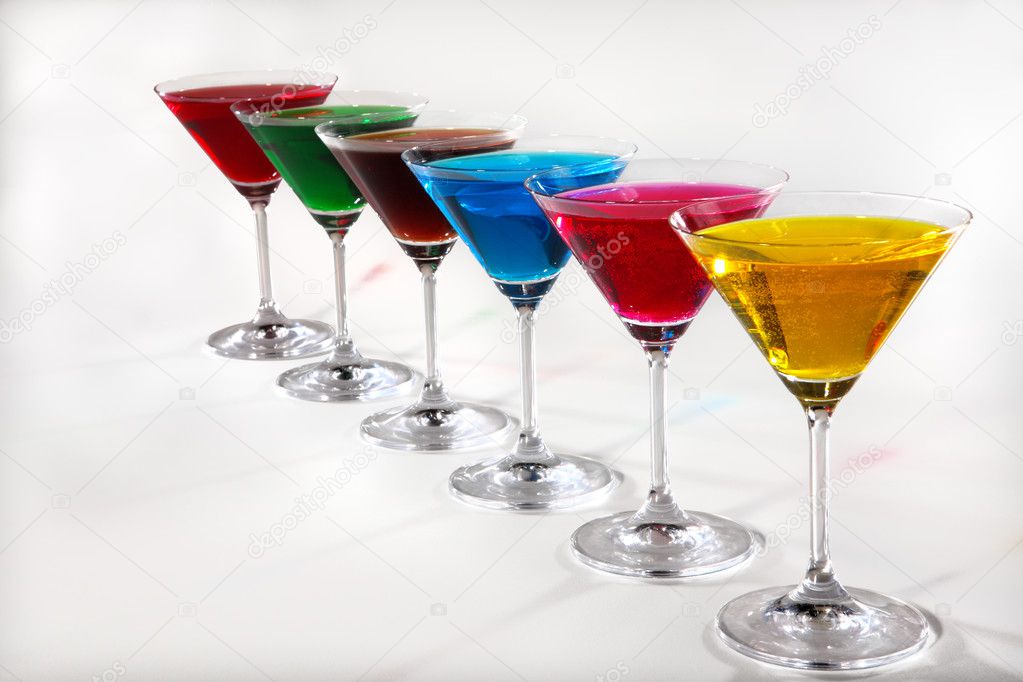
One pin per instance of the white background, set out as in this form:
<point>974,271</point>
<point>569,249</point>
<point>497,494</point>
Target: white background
<point>127,506</point>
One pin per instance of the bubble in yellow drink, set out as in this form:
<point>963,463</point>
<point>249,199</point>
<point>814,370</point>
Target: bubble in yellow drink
<point>819,295</point>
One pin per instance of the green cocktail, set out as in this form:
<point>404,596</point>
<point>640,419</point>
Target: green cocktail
<point>288,139</point>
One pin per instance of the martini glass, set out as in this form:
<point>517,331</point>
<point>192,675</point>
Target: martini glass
<point>373,161</point>
<point>620,234</point>
<point>484,198</point>
<point>202,104</point>
<point>288,139</point>
<point>819,282</point>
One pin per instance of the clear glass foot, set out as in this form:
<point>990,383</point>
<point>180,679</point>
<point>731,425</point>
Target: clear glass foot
<point>531,477</point>
<point>270,335</point>
<point>662,541</point>
<point>346,375</point>
<point>435,422</point>
<point>861,629</point>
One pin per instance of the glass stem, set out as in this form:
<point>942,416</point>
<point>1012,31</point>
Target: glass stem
<point>433,388</point>
<point>820,584</point>
<point>530,447</point>
<point>263,254</point>
<point>527,365</point>
<point>337,238</point>
<point>660,501</point>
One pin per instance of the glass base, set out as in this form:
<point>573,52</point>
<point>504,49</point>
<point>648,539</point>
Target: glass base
<point>432,426</point>
<point>270,335</point>
<point>347,375</point>
<point>509,482</point>
<point>674,545</point>
<point>863,630</point>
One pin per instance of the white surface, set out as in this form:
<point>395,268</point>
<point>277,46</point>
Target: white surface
<point>127,511</point>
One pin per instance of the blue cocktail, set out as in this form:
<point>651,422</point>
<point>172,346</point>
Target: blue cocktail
<point>484,198</point>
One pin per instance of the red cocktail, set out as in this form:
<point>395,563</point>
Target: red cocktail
<point>203,106</point>
<point>620,233</point>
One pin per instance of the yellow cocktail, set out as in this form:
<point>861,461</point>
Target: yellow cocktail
<point>820,294</point>
<point>819,280</point>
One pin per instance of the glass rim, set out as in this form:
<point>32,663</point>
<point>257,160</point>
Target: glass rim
<point>532,184</point>
<point>323,130</point>
<point>678,222</point>
<point>407,155</point>
<point>270,118</point>
<point>164,88</point>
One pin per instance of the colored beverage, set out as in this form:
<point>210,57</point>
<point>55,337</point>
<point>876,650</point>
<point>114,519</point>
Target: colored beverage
<point>822,296</point>
<point>206,115</point>
<point>373,161</point>
<point>621,235</point>
<point>288,139</point>
<point>484,198</point>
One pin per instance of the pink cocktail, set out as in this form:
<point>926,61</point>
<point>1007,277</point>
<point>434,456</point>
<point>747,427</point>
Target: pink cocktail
<point>621,235</point>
